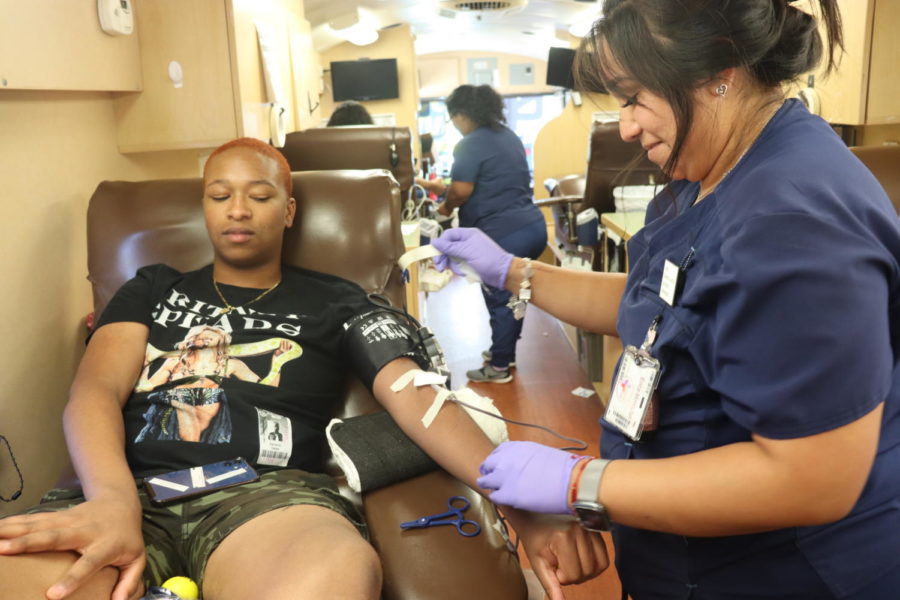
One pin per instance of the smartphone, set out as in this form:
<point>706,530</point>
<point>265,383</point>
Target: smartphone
<point>197,481</point>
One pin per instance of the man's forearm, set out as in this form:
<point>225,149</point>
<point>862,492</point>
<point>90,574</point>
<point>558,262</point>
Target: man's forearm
<point>95,437</point>
<point>453,439</point>
<point>93,422</point>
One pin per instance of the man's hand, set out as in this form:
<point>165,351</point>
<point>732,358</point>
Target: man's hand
<point>102,532</point>
<point>561,552</point>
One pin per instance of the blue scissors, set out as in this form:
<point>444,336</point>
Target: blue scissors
<point>457,505</point>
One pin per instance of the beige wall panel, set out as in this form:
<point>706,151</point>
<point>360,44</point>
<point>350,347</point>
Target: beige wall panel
<point>200,114</point>
<point>884,83</point>
<point>55,148</point>
<point>843,93</point>
<point>398,43</point>
<point>439,75</point>
<point>438,81</point>
<point>58,45</point>
<point>308,78</point>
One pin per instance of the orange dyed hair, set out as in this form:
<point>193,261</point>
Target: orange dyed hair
<point>260,147</point>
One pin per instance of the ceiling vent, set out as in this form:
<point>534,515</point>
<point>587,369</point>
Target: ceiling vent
<point>482,6</point>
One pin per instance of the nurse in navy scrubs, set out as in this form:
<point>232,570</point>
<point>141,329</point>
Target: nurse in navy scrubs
<point>491,186</point>
<point>752,444</point>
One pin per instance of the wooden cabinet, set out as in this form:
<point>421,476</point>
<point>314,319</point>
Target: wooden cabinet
<point>203,111</point>
<point>224,93</point>
<point>53,45</point>
<point>865,90</point>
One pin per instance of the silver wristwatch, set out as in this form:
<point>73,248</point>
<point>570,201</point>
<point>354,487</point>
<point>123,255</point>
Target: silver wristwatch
<point>591,514</point>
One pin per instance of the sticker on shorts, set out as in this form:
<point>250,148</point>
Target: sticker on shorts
<point>275,441</point>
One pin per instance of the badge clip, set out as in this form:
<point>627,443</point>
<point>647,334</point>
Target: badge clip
<point>632,403</point>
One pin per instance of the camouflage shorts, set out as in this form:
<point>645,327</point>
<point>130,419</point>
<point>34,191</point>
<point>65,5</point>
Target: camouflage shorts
<point>181,536</point>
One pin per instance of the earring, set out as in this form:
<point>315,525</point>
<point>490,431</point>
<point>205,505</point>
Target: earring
<point>722,89</point>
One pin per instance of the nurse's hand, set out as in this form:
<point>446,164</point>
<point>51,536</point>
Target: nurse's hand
<point>472,245</point>
<point>529,476</point>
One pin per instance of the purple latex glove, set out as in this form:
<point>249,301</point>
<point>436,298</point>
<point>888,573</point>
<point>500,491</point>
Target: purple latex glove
<point>472,245</point>
<point>529,476</point>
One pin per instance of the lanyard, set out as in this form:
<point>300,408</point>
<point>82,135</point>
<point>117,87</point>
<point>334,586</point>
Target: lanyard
<point>633,404</point>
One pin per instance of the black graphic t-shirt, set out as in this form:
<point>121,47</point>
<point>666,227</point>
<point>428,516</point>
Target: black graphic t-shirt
<point>258,382</point>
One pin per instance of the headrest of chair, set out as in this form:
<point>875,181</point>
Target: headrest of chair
<point>609,151</point>
<point>571,185</point>
<point>347,224</point>
<point>353,147</point>
<point>884,162</point>
<point>613,162</point>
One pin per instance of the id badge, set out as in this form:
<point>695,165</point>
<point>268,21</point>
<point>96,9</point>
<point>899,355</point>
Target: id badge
<point>275,438</point>
<point>633,392</point>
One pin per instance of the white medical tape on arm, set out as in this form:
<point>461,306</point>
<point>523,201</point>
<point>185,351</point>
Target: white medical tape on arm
<point>480,409</point>
<point>419,378</point>
<point>478,405</point>
<point>491,424</point>
<point>404,380</point>
<point>422,378</point>
<point>441,395</point>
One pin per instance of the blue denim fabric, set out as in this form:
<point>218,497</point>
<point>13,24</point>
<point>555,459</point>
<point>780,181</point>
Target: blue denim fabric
<point>529,241</point>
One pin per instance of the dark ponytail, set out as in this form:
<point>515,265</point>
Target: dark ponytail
<point>797,47</point>
<point>672,48</point>
<point>481,104</point>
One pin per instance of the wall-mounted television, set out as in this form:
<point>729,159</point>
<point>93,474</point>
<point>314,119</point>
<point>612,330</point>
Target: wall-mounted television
<point>364,79</point>
<point>559,67</point>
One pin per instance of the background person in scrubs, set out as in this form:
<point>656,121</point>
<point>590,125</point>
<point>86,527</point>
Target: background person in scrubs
<point>491,186</point>
<point>774,467</point>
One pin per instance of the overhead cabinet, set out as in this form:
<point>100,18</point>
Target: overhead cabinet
<point>204,78</point>
<point>58,45</point>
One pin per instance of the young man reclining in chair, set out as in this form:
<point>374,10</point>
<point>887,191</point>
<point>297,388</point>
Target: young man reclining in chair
<point>154,393</point>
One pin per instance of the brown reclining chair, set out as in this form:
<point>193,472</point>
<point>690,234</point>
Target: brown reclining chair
<point>609,158</point>
<point>354,147</point>
<point>347,224</point>
<point>884,162</point>
<point>566,193</point>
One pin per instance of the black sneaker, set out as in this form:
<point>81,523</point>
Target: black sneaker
<point>488,374</point>
<point>486,355</point>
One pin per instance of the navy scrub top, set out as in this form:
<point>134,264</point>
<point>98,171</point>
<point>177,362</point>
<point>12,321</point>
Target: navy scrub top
<point>501,202</point>
<point>788,325</point>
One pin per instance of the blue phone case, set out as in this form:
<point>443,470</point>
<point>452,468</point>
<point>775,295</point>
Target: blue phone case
<point>197,481</point>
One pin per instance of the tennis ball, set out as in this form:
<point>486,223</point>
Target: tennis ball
<point>183,586</point>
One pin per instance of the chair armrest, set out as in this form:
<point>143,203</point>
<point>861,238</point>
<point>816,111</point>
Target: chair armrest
<point>555,200</point>
<point>437,563</point>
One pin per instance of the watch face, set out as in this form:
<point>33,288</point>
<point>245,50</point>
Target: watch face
<point>593,517</point>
